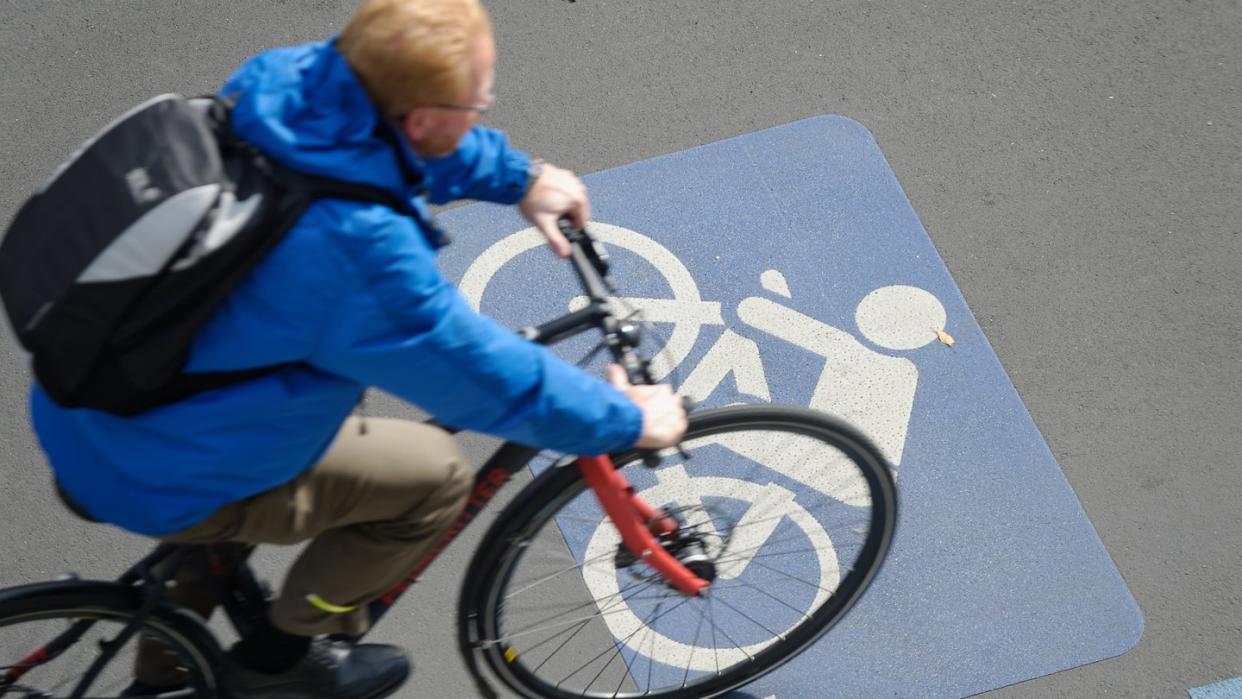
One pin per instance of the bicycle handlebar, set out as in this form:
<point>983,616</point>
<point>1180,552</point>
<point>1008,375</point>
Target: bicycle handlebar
<point>621,337</point>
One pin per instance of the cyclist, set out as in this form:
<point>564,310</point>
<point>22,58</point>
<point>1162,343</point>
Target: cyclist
<point>351,298</point>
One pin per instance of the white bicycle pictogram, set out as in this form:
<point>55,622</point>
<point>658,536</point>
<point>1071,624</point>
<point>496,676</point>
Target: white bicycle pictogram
<point>797,479</point>
<point>871,390</point>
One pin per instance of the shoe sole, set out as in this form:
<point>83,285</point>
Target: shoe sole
<point>379,693</point>
<point>391,687</point>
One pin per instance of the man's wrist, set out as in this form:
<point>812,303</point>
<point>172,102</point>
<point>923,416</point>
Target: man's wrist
<point>533,171</point>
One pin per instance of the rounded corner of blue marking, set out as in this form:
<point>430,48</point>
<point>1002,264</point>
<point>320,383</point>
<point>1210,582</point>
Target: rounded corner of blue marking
<point>844,123</point>
<point>1137,625</point>
<point>1125,632</point>
<point>1130,622</point>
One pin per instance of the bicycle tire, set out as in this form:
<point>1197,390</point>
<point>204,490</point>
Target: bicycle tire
<point>486,598</point>
<point>76,601</point>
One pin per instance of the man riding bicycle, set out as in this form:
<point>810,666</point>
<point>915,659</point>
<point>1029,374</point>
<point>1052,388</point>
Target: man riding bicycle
<point>350,298</point>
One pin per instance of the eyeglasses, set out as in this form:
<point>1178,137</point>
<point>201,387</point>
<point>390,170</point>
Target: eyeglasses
<point>480,109</point>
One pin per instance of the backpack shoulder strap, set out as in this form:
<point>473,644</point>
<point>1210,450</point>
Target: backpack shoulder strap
<point>218,111</point>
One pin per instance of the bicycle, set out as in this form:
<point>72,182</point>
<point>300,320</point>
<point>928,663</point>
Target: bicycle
<point>559,580</point>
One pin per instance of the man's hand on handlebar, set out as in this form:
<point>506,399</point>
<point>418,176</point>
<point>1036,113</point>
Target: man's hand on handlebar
<point>556,193</point>
<point>664,413</point>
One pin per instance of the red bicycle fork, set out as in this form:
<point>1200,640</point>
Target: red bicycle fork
<point>638,523</point>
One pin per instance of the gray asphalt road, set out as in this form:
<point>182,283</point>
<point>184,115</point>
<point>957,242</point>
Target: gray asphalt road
<point>1075,163</point>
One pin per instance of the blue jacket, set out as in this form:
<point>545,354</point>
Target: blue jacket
<point>353,296</point>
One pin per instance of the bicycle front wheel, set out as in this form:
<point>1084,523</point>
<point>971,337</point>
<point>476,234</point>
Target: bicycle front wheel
<point>789,512</point>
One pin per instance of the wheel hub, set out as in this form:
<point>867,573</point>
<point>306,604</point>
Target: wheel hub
<point>688,543</point>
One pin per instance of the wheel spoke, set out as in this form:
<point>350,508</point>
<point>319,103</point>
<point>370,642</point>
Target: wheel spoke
<point>745,554</point>
<point>710,602</point>
<point>629,668</point>
<point>544,579</point>
<point>581,626</point>
<point>583,605</point>
<point>630,607</point>
<point>751,619</point>
<point>765,593</point>
<point>794,577</point>
<point>578,518</point>
<point>693,646</point>
<point>711,614</point>
<point>622,643</point>
<point>851,515</point>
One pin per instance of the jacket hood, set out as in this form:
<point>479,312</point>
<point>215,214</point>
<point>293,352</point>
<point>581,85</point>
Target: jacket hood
<point>303,106</point>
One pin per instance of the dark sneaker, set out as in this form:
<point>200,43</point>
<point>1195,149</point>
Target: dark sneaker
<point>331,670</point>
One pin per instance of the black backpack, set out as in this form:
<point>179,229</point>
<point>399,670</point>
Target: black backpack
<point>110,269</point>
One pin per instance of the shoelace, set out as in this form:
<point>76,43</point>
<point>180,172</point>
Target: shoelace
<point>327,654</point>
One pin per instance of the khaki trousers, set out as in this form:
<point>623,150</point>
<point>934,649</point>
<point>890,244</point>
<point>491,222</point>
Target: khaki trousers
<point>372,508</point>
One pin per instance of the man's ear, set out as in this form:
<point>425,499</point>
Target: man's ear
<point>415,124</point>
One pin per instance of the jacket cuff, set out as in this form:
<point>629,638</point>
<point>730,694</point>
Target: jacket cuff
<point>513,177</point>
<point>635,424</point>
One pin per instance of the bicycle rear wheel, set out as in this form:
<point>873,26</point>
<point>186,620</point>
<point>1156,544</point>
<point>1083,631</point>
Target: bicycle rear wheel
<point>53,634</point>
<point>789,511</point>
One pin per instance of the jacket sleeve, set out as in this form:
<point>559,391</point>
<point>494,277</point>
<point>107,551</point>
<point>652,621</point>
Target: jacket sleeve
<point>406,330</point>
<point>484,167</point>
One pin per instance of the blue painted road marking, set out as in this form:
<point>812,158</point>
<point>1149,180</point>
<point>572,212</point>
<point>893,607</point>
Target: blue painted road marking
<point>788,266</point>
<point>1225,689</point>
